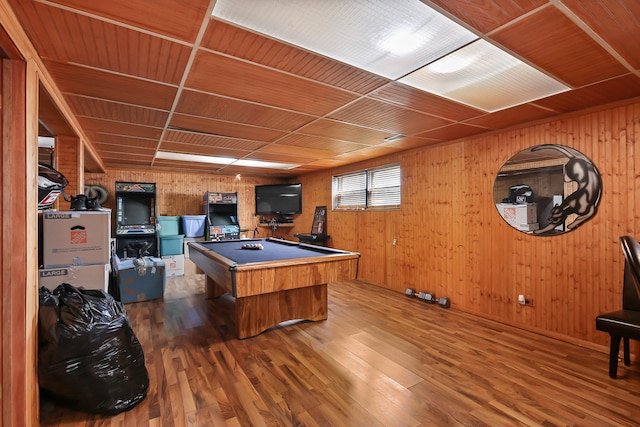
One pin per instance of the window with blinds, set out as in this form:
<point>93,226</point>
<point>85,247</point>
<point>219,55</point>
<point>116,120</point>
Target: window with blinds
<point>377,188</point>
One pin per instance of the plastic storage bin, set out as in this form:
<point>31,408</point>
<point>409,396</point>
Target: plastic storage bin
<point>171,245</point>
<point>168,225</point>
<point>193,225</point>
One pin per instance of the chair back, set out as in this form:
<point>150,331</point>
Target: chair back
<point>319,225</point>
<point>631,288</point>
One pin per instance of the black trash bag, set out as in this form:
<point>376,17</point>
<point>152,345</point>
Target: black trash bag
<point>89,357</point>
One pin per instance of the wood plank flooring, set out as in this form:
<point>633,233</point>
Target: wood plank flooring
<point>381,359</point>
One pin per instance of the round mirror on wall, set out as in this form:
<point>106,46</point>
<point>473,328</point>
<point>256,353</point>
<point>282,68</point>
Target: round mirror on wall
<point>547,190</point>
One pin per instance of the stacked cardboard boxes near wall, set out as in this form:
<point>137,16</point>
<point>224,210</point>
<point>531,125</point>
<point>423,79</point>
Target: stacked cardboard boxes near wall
<point>76,249</point>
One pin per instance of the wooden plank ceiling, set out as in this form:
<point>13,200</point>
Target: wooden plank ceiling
<point>149,75</point>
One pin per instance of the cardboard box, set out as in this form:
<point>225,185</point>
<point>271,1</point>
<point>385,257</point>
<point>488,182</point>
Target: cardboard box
<point>518,214</point>
<point>75,238</point>
<point>87,276</point>
<point>174,265</point>
<point>140,279</point>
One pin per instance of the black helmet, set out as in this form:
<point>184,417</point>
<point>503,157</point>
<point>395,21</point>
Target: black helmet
<point>51,184</point>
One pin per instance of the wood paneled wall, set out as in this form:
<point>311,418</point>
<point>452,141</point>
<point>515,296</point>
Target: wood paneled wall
<point>67,160</point>
<point>181,193</point>
<point>450,239</point>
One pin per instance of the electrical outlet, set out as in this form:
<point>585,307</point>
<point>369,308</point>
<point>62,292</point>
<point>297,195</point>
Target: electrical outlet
<point>522,300</point>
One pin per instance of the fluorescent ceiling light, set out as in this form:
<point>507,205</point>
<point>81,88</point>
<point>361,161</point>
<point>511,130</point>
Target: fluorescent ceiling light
<point>196,158</point>
<point>388,38</point>
<point>261,164</point>
<point>485,77</point>
<point>403,40</point>
<point>167,155</point>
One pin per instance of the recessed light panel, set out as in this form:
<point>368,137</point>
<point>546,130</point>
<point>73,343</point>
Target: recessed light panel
<point>263,164</point>
<point>388,38</point>
<point>197,158</point>
<point>169,155</point>
<point>485,77</point>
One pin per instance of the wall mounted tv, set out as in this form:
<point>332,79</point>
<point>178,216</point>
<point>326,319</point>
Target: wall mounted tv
<point>278,199</point>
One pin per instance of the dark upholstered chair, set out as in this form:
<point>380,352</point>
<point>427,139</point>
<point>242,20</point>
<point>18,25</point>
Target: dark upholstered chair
<point>624,324</point>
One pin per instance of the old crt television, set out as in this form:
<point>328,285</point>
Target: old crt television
<point>137,208</point>
<point>278,199</point>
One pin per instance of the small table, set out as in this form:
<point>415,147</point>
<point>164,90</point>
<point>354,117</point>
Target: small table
<point>283,281</point>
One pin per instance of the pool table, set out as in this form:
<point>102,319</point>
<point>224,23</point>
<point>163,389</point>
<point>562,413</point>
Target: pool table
<point>282,281</point>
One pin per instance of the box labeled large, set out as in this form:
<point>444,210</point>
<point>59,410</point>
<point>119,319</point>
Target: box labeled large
<point>140,279</point>
<point>87,276</point>
<point>76,238</point>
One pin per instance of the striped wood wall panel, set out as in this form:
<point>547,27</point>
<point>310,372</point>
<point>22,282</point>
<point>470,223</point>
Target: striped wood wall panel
<point>67,161</point>
<point>450,240</point>
<point>181,193</point>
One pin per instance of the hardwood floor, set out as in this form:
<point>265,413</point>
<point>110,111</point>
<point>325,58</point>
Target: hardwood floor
<point>381,359</point>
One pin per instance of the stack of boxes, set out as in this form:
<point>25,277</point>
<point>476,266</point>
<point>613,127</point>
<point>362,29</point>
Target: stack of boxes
<point>171,245</point>
<point>76,249</point>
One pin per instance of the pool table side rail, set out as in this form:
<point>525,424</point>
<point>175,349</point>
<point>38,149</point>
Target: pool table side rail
<point>296,261</point>
<point>250,281</point>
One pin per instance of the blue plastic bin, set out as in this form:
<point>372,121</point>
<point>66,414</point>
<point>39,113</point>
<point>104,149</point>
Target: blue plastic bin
<point>168,225</point>
<point>193,225</point>
<point>171,245</point>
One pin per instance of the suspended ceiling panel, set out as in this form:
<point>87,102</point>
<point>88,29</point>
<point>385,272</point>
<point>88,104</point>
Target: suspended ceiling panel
<point>146,78</point>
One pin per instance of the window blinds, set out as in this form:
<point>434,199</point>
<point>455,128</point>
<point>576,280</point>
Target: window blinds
<point>372,188</point>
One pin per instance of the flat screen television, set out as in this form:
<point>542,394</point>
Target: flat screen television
<point>278,199</point>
